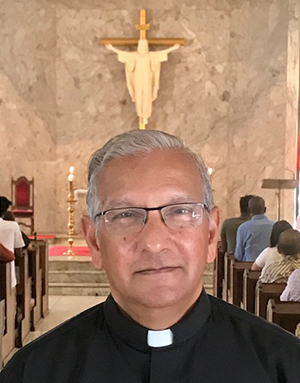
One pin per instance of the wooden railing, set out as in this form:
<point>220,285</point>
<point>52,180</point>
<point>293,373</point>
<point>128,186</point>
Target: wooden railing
<point>236,283</point>
<point>22,307</point>
<point>285,314</point>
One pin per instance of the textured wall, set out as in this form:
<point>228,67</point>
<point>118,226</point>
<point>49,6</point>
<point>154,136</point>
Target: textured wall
<point>230,92</point>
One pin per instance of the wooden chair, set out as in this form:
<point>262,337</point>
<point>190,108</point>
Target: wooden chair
<point>22,196</point>
<point>250,279</point>
<point>285,314</point>
<point>263,293</point>
<point>236,281</point>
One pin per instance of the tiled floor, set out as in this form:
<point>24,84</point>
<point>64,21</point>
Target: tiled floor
<point>63,307</point>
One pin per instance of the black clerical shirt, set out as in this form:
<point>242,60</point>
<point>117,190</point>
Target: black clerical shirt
<point>215,342</point>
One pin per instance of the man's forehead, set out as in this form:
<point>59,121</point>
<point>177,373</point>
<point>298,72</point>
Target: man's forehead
<point>132,202</point>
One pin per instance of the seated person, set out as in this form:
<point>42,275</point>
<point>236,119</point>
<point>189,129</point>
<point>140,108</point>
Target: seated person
<point>10,235</point>
<point>289,247</point>
<point>292,290</point>
<point>230,226</point>
<point>270,254</point>
<point>9,216</point>
<point>253,236</point>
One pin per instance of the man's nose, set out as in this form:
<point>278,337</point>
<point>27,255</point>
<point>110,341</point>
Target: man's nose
<point>155,235</point>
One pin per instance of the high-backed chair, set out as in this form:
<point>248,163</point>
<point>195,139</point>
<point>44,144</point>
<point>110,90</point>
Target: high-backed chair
<point>22,196</point>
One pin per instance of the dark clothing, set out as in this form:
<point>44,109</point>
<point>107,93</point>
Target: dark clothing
<point>215,342</point>
<point>229,230</point>
<point>26,240</point>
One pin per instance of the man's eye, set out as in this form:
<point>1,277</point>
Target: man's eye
<point>122,215</point>
<point>125,215</point>
<point>182,211</point>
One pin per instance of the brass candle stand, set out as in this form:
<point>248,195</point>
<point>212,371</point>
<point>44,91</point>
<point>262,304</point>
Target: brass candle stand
<point>71,200</point>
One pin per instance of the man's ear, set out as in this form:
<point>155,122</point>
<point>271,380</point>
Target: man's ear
<point>213,234</point>
<point>89,231</point>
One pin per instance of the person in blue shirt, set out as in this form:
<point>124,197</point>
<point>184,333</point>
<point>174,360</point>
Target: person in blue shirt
<point>254,236</point>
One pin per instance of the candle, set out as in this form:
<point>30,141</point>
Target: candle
<point>71,169</point>
<point>71,177</point>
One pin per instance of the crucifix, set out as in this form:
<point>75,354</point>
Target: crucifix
<point>142,67</point>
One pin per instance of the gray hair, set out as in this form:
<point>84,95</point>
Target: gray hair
<point>138,142</point>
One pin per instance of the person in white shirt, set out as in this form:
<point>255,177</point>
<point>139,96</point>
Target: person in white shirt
<point>271,254</point>
<point>292,290</point>
<point>10,236</point>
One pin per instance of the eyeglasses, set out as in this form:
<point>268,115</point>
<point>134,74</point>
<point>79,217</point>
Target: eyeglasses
<point>132,219</point>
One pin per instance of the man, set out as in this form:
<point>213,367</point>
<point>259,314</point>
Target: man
<point>152,226</point>
<point>10,235</point>
<point>230,225</point>
<point>253,236</point>
<point>289,248</point>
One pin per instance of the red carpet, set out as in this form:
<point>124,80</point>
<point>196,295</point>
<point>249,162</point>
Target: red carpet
<point>59,250</point>
<point>43,236</point>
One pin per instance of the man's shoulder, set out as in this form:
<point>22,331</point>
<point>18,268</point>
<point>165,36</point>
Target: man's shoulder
<point>9,224</point>
<point>250,326</point>
<point>76,324</point>
<point>234,221</point>
<point>245,225</point>
<point>74,331</point>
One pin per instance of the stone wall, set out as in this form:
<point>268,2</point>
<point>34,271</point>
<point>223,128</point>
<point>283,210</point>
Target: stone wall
<point>231,92</point>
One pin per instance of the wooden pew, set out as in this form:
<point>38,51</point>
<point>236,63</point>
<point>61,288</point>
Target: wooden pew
<point>23,299</point>
<point>8,309</point>
<point>228,258</point>
<point>250,279</point>
<point>35,272</point>
<point>236,281</point>
<point>219,273</point>
<point>44,264</point>
<point>263,293</point>
<point>285,314</point>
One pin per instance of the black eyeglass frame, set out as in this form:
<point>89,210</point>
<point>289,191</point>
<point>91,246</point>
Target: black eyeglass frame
<point>147,209</point>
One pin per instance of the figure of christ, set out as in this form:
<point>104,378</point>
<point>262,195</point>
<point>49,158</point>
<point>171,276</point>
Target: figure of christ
<point>142,70</point>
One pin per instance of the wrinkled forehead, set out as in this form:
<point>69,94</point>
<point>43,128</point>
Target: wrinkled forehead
<point>160,171</point>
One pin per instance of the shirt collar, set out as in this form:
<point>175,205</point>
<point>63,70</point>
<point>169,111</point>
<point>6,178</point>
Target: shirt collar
<point>258,216</point>
<point>136,335</point>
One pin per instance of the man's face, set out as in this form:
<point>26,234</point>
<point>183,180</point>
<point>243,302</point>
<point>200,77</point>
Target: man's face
<point>156,267</point>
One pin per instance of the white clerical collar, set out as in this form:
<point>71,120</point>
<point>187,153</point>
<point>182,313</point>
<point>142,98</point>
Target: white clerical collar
<point>161,338</point>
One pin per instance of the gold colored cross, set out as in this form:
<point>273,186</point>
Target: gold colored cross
<point>142,27</point>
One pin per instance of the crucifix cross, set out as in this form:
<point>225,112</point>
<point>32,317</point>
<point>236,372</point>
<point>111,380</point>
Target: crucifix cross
<point>142,88</point>
<point>142,27</point>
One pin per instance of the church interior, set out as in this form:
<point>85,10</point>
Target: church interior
<point>230,91</point>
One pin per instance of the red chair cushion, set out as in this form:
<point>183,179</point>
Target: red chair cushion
<point>22,194</point>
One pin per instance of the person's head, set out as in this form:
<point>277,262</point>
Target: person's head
<point>9,216</point>
<point>257,205</point>
<point>278,228</point>
<point>4,205</point>
<point>143,46</point>
<point>244,204</point>
<point>289,243</point>
<point>153,259</point>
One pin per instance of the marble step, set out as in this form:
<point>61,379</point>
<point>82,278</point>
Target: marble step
<point>62,265</point>
<point>95,289</point>
<point>77,276</point>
